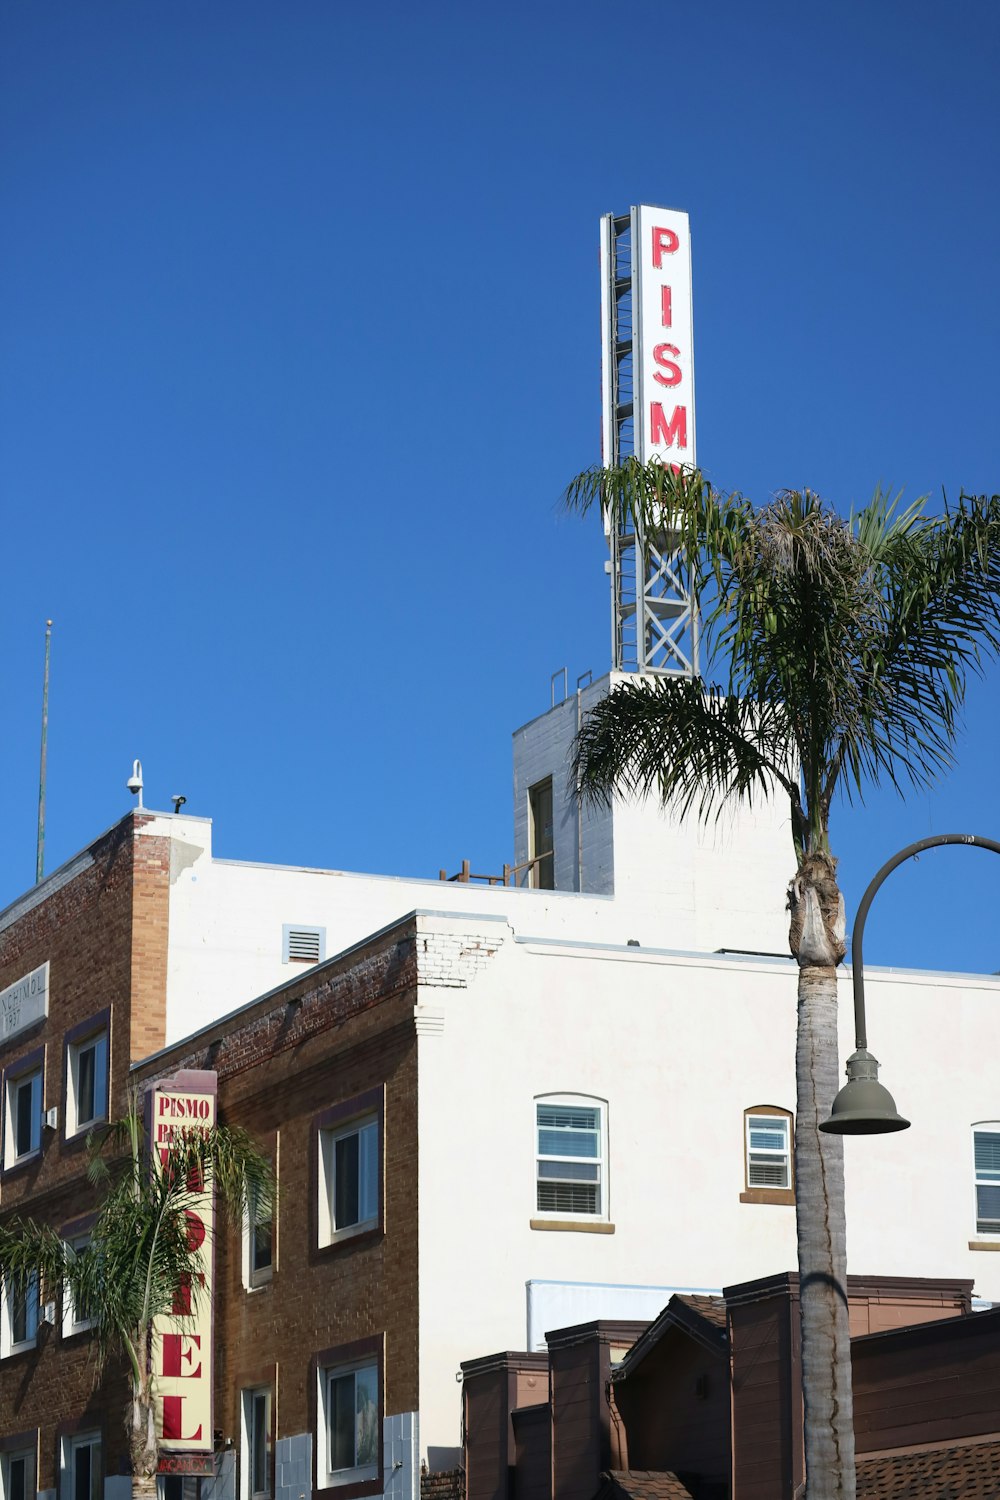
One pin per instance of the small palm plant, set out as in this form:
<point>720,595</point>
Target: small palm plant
<point>141,1258</point>
<point>844,647</point>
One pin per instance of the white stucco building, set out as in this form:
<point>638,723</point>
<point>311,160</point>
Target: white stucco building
<point>605,1069</point>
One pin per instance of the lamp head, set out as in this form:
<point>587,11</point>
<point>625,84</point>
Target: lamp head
<point>863,1106</point>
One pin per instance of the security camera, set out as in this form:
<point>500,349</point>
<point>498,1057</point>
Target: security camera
<point>134,783</point>
<point>178,800</point>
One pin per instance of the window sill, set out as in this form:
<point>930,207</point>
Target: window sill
<point>581,1226</point>
<point>18,1349</point>
<point>20,1163</point>
<point>359,1234</point>
<point>984,1244</point>
<point>79,1332</point>
<point>76,1140</point>
<point>349,1489</point>
<point>768,1195</point>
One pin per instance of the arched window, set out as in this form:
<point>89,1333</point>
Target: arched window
<point>571,1156</point>
<point>768,1155</point>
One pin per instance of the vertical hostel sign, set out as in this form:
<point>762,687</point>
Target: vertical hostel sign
<point>183,1338</point>
<point>663,333</point>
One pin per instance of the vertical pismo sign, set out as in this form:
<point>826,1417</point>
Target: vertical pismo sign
<point>182,1339</point>
<point>663,335</point>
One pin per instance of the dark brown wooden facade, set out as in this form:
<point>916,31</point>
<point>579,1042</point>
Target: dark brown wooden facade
<point>706,1402</point>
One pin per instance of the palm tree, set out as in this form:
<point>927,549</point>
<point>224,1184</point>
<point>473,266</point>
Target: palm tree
<point>140,1258</point>
<point>844,646</point>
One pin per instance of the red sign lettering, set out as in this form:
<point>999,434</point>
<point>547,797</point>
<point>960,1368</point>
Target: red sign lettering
<point>665,242</point>
<point>662,431</point>
<point>673,376</point>
<point>666,306</point>
<point>174,1355</point>
<point>195,1230</point>
<point>173,1421</point>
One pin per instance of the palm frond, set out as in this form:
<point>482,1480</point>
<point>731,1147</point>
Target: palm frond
<point>142,1255</point>
<point>856,636</point>
<point>690,745</point>
<point>28,1249</point>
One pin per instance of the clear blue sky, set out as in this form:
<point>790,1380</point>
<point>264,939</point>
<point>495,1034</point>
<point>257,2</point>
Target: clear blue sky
<point>300,343</point>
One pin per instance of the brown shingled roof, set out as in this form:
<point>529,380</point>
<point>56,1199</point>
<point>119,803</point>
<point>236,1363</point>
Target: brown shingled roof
<point>713,1309</point>
<point>641,1484</point>
<point>969,1472</point>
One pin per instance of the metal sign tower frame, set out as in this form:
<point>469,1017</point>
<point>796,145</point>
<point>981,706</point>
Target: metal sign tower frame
<point>654,618</point>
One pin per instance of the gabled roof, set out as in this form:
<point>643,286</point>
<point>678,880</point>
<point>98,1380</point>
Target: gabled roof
<point>964,1472</point>
<point>641,1484</point>
<point>700,1318</point>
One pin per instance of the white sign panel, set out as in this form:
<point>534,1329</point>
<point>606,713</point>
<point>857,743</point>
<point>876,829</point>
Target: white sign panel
<point>663,336</point>
<point>183,1338</point>
<point>24,1002</point>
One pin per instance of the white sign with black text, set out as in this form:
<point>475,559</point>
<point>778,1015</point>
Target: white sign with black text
<point>24,1002</point>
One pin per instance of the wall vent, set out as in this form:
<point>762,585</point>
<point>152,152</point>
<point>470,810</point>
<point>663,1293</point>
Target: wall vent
<point>302,945</point>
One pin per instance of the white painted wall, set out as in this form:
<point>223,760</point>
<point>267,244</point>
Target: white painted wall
<point>686,885</point>
<point>226,917</point>
<point>679,1046</point>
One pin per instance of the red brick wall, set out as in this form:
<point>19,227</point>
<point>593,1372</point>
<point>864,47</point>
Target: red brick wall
<point>102,929</point>
<point>330,1035</point>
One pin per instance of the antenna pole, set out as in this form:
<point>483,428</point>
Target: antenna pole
<point>40,856</point>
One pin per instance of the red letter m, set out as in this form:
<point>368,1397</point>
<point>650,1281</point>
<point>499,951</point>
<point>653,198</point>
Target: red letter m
<point>662,431</point>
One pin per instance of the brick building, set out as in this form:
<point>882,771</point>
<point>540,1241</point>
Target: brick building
<point>493,1111</point>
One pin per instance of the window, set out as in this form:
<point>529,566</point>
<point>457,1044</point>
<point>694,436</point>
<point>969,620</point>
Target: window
<point>76,1315</point>
<point>349,1424</point>
<point>571,1156</point>
<point>986,1148</point>
<point>303,945</point>
<point>768,1157</point>
<point>23,1132</point>
<point>541,845</point>
<point>87,1082</point>
<point>17,1474</point>
<point>349,1179</point>
<point>255,1451</point>
<point>81,1474</point>
<point>258,1244</point>
<point>19,1316</point>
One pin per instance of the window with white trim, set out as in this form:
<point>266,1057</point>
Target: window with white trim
<point>23,1123</point>
<point>349,1409</point>
<point>258,1244</point>
<point>81,1471</point>
<point>19,1316</point>
<point>76,1317</point>
<point>986,1158</point>
<point>87,1083</point>
<point>255,1445</point>
<point>571,1157</point>
<point>350,1179</point>
<point>17,1474</point>
<point>769,1150</point>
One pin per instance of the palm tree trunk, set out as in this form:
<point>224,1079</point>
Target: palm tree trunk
<point>828,1409</point>
<point>142,1444</point>
<point>817,941</point>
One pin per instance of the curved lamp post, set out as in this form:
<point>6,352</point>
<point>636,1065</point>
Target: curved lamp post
<point>863,1106</point>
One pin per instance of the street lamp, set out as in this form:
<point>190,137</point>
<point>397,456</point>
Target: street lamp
<point>863,1106</point>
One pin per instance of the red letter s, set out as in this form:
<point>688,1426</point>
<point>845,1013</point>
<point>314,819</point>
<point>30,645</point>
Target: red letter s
<point>660,355</point>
